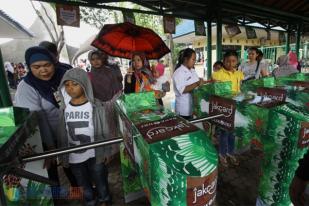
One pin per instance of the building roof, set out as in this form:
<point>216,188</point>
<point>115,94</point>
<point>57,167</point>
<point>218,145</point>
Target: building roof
<point>11,28</point>
<point>289,14</point>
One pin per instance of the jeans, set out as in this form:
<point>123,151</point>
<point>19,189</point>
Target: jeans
<point>226,142</point>
<point>87,173</point>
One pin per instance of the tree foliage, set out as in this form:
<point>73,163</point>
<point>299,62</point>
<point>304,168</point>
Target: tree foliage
<point>55,32</point>
<point>98,17</point>
<point>95,16</point>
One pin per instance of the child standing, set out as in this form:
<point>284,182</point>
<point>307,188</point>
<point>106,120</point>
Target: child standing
<point>162,85</point>
<point>83,121</point>
<point>228,73</point>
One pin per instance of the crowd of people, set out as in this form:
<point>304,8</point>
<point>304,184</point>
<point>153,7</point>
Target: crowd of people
<point>15,73</point>
<point>77,107</point>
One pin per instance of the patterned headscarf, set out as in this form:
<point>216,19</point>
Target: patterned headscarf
<point>146,67</point>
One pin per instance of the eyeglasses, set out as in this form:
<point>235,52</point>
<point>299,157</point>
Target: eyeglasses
<point>37,66</point>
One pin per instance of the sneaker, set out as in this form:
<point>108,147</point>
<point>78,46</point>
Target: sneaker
<point>223,161</point>
<point>233,159</point>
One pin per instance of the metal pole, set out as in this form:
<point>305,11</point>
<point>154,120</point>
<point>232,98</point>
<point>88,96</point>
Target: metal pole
<point>287,45</point>
<point>209,49</point>
<point>4,88</point>
<point>298,36</point>
<point>57,152</point>
<point>219,37</point>
<point>205,118</point>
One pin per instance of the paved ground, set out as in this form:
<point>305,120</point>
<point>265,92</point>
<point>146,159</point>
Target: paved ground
<point>237,185</point>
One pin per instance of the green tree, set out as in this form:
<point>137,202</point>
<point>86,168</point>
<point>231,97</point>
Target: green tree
<point>97,17</point>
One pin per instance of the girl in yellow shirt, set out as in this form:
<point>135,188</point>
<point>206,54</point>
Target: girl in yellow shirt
<point>228,73</point>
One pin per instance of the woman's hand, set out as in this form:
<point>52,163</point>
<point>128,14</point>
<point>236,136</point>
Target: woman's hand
<point>130,70</point>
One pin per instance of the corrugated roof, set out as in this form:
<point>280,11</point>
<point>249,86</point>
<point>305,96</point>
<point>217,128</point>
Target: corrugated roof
<point>11,28</point>
<point>270,13</point>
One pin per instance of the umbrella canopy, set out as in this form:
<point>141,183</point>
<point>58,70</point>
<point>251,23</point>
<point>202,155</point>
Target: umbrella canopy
<point>11,28</point>
<point>120,40</point>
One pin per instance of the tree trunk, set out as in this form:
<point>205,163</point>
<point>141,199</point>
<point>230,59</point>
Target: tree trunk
<point>61,40</point>
<point>44,22</point>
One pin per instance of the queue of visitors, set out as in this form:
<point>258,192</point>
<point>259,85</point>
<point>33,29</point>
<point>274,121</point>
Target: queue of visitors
<point>57,92</point>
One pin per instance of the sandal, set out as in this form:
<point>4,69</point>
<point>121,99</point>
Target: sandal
<point>233,159</point>
<point>223,161</point>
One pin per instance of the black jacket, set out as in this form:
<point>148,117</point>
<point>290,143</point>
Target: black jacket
<point>129,87</point>
<point>303,170</point>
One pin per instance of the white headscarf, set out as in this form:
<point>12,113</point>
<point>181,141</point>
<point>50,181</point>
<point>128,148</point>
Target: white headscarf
<point>8,67</point>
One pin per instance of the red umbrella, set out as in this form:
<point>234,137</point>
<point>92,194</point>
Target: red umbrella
<point>122,39</point>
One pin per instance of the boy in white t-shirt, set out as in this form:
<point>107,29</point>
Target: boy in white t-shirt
<point>83,121</point>
<point>162,85</point>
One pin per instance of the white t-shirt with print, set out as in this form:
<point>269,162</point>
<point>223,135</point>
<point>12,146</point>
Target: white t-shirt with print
<point>183,77</point>
<point>80,130</point>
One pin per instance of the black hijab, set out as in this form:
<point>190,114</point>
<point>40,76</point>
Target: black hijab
<point>45,88</point>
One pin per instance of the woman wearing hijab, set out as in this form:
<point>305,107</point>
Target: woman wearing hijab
<point>38,92</point>
<point>10,73</point>
<point>284,68</point>
<point>139,77</point>
<point>106,80</point>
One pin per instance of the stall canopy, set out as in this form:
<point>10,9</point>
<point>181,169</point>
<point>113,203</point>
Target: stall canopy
<point>288,14</point>
<point>11,28</point>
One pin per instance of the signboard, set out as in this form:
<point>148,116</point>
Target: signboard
<point>199,28</point>
<point>263,41</point>
<point>250,32</point>
<point>232,30</point>
<point>300,84</point>
<point>169,24</point>
<point>127,132</point>
<point>202,190</point>
<point>268,37</point>
<point>304,135</point>
<point>275,94</point>
<point>68,15</point>
<point>227,107</point>
<point>128,17</point>
<point>165,129</point>
<point>281,37</point>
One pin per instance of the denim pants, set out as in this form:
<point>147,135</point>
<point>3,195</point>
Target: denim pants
<point>87,173</point>
<point>226,142</point>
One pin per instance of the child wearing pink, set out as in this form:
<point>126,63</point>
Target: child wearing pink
<point>162,85</point>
